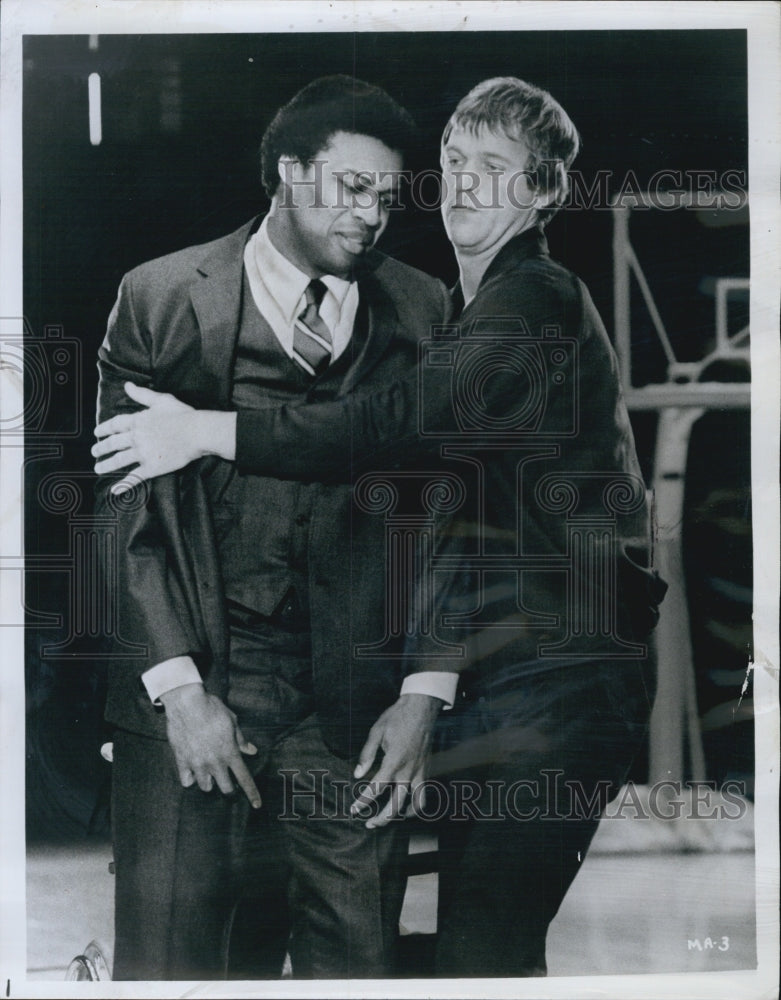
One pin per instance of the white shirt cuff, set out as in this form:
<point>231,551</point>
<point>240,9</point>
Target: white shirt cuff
<point>168,675</point>
<point>436,683</point>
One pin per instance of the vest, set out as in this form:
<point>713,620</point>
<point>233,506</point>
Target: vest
<point>262,525</point>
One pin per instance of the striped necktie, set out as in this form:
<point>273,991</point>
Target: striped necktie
<point>312,345</point>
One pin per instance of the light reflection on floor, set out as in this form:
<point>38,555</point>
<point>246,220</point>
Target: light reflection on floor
<point>625,913</point>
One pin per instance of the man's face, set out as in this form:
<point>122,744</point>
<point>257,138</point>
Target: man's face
<point>331,211</point>
<point>486,195</point>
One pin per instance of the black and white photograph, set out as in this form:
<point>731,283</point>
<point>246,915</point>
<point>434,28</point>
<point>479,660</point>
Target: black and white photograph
<point>389,434</point>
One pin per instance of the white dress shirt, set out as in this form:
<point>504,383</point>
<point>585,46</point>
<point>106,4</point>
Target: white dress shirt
<point>278,288</point>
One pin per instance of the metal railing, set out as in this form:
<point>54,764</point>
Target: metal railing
<point>681,401</point>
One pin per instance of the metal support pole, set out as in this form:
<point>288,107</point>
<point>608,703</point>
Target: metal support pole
<point>675,712</point>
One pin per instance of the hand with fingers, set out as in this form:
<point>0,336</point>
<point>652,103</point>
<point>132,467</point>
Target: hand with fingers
<point>155,439</point>
<point>163,437</point>
<point>207,742</point>
<point>403,733</point>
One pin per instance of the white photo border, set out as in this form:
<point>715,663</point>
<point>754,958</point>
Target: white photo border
<point>761,20</point>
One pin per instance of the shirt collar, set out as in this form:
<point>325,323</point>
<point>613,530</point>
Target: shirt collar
<point>284,281</point>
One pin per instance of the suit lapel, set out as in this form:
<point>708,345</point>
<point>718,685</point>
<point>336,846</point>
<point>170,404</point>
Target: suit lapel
<point>378,312</point>
<point>216,300</point>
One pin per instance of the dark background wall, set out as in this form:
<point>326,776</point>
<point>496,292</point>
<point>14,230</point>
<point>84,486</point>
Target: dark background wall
<point>178,164</point>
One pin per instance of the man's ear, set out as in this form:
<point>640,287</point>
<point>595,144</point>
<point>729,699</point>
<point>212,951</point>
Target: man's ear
<point>557,183</point>
<point>293,177</point>
<point>544,200</point>
<point>288,168</point>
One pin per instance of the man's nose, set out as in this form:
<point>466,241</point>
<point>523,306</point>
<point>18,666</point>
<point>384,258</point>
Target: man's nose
<point>465,187</point>
<point>368,209</point>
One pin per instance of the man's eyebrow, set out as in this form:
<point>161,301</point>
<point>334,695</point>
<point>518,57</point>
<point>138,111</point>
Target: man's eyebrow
<point>390,177</point>
<point>488,154</point>
<point>484,153</point>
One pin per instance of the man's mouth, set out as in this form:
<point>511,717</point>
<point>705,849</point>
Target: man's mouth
<point>356,242</point>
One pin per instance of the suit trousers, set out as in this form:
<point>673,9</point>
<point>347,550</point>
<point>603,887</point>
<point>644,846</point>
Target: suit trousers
<point>528,763</point>
<point>198,872</point>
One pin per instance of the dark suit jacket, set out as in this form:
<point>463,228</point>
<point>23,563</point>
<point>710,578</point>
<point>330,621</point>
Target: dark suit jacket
<point>174,329</point>
<point>552,436</point>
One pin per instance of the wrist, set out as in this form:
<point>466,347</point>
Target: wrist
<point>181,697</point>
<point>427,705</point>
<point>215,433</point>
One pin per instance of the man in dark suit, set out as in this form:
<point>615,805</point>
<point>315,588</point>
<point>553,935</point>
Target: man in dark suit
<point>242,588</point>
<point>544,572</point>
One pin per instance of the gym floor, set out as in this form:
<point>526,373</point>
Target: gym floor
<point>635,911</point>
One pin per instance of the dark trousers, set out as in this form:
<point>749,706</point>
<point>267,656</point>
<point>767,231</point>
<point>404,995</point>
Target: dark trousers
<point>528,763</point>
<point>299,874</point>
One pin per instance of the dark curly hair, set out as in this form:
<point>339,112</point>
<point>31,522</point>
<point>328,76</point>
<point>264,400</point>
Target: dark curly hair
<point>330,104</point>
